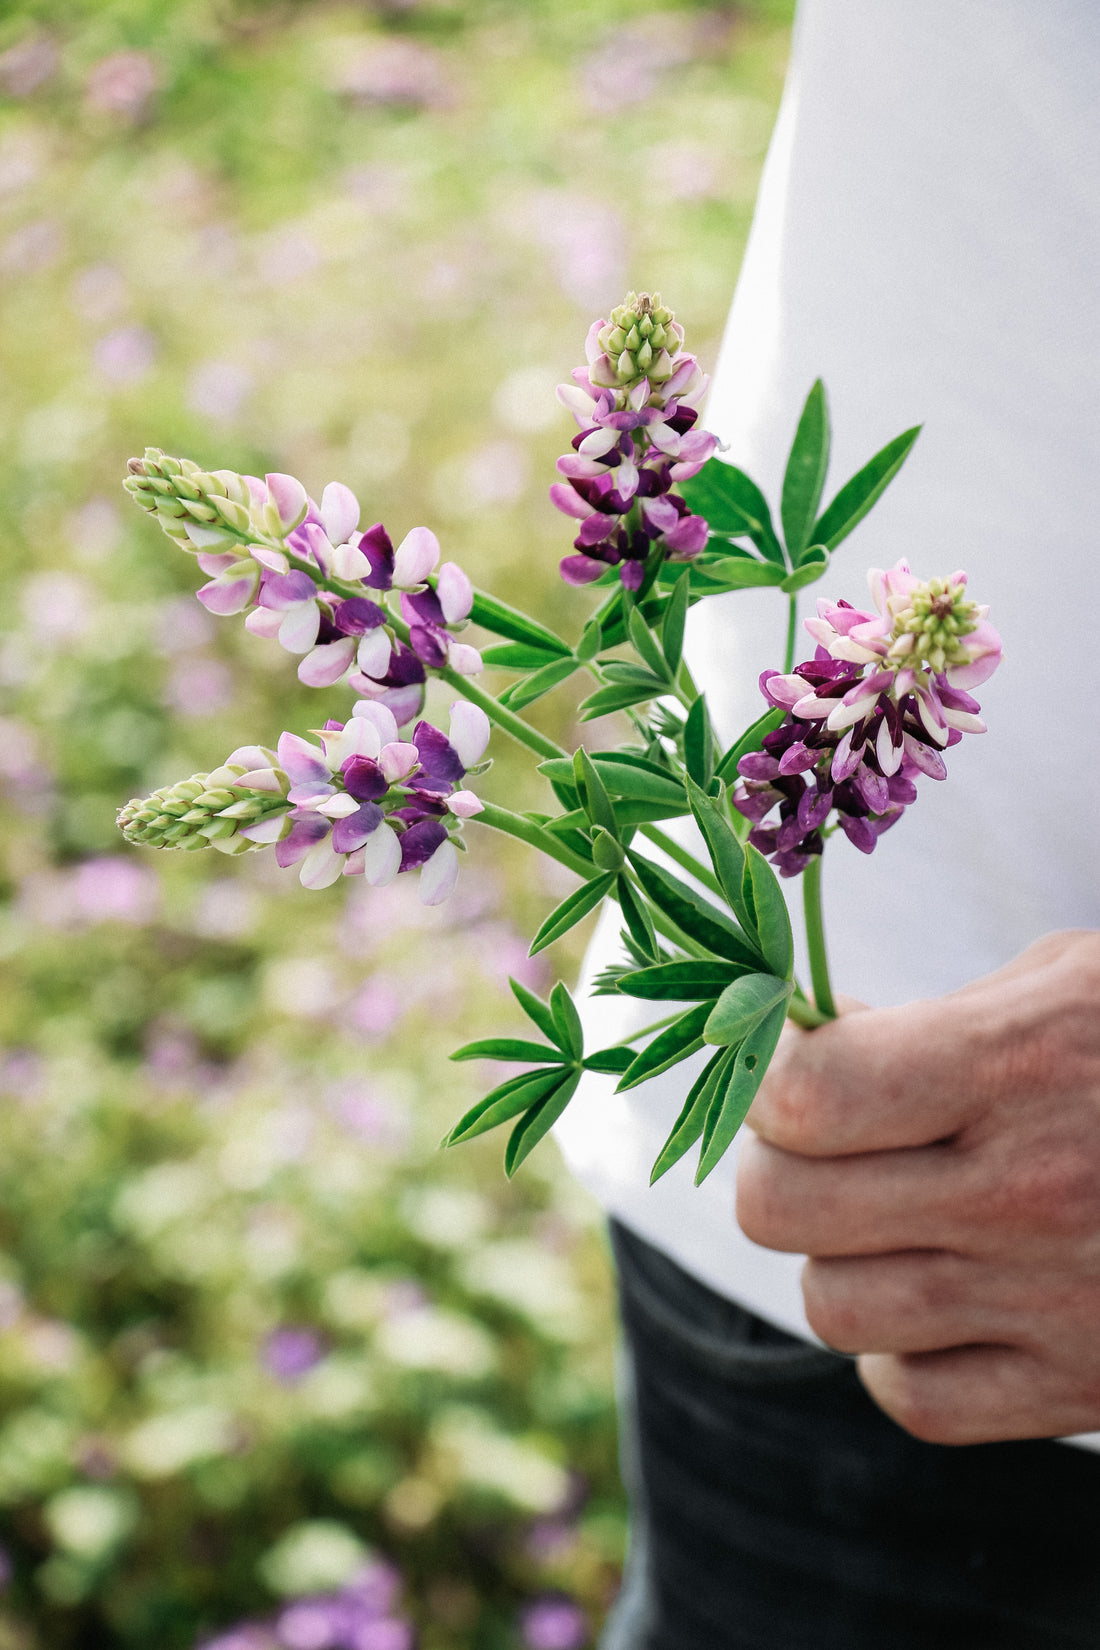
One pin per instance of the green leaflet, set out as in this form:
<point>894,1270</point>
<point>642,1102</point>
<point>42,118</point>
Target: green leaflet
<point>751,740</point>
<point>811,566</point>
<point>530,688</point>
<point>503,1103</point>
<point>507,1048</point>
<point>503,620</point>
<point>623,775</point>
<point>535,1009</point>
<point>734,572</point>
<point>699,743</point>
<point>742,1005</point>
<point>645,645</point>
<point>672,628</point>
<point>733,504</point>
<point>680,982</point>
<point>804,477</point>
<point>694,915</point>
<point>538,1122</point>
<point>670,1046</point>
<point>573,909</point>
<point>567,1020</point>
<point>612,1060</point>
<point>637,918</point>
<point>593,797</point>
<point>856,497</point>
<point>518,656</point>
<point>591,641</point>
<point>726,853</point>
<point>689,1125</point>
<point>619,696</point>
<point>772,921</point>
<point>735,1095</point>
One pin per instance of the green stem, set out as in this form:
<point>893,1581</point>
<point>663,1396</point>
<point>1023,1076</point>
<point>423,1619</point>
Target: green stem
<point>815,938</point>
<point>658,1025</point>
<point>792,624</point>
<point>502,819</point>
<point>804,1014</point>
<point>684,859</point>
<point>507,721</point>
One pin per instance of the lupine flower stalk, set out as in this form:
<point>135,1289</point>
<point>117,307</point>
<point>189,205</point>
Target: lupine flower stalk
<point>303,574</point>
<point>883,697</point>
<point>361,802</point>
<point>636,403</point>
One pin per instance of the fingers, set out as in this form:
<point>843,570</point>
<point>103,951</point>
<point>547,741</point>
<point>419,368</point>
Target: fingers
<point>916,1301</point>
<point>863,1205</point>
<point>979,1395</point>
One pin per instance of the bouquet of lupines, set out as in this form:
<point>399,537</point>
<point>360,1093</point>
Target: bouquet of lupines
<point>663,523</point>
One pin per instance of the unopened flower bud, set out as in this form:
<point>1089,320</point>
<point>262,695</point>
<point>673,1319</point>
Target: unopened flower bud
<point>206,809</point>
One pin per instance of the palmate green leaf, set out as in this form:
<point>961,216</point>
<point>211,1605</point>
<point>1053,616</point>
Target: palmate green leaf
<point>672,626</point>
<point>507,1048</point>
<point>751,740</point>
<point>733,504</point>
<point>638,921</point>
<point>804,477</point>
<point>619,696</point>
<point>535,1009</point>
<point>567,1020</point>
<point>537,1123</point>
<point>630,777</point>
<point>492,614</point>
<point>694,915</point>
<point>680,982</point>
<point>699,743</point>
<point>646,646</point>
<point>772,920</point>
<point>725,850</point>
<point>590,788</point>
<point>683,1037</point>
<point>573,909</point>
<point>518,656</point>
<point>856,497</point>
<point>735,1095</point>
<point>812,565</point>
<point>530,688</point>
<point>742,1005</point>
<point>613,1061</point>
<point>503,1103</point>
<point>689,1125</point>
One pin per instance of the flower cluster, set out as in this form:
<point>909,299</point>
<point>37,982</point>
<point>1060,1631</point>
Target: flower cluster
<point>884,695</point>
<point>636,404</point>
<point>363,802</point>
<point>361,1615</point>
<point>304,575</point>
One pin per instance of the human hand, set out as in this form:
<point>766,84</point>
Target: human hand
<point>939,1163</point>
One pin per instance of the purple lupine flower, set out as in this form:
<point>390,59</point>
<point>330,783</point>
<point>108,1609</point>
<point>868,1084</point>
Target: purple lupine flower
<point>636,405</point>
<point>882,698</point>
<point>291,1352</point>
<point>554,1622</point>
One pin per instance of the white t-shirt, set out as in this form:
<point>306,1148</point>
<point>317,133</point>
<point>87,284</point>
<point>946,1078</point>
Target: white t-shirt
<point>927,240</point>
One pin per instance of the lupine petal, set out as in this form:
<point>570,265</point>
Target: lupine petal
<point>303,835</point>
<point>927,760</point>
<point>464,659</point>
<point>301,761</point>
<point>439,875</point>
<point>469,729</point>
<point>354,830</point>
<point>377,546</point>
<point>215,564</point>
<point>373,656</point>
<point>348,562</point>
<point>398,760</point>
<point>598,442</point>
<point>250,757</point>
<point>420,842</point>
<point>455,592</point>
<point>416,556</point>
<point>289,497</point>
<point>263,621</point>
<point>889,755</point>
<point>364,779</point>
<point>266,831</point>
<point>353,863</point>
<point>358,615</point>
<point>321,867</point>
<point>265,780</point>
<point>299,629</point>
<point>859,832</point>
<point>227,596</point>
<point>380,717</point>
<point>439,760</point>
<point>465,804</point>
<point>328,663</point>
<point>689,536</point>
<point>382,856</point>
<point>429,644</point>
<point>595,528</point>
<point>339,512</point>
<point>579,570</point>
<point>566,499</point>
<point>795,759</point>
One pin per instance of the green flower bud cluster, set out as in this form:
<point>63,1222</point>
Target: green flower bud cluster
<point>177,492</point>
<point>205,811</point>
<point>641,339</point>
<point>932,627</point>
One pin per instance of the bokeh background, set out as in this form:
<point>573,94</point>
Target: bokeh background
<point>274,1371</point>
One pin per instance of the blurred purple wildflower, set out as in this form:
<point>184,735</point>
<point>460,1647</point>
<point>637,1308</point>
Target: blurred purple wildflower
<point>291,1352</point>
<point>554,1622</point>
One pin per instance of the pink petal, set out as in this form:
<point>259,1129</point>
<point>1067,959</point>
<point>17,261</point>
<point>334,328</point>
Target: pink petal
<point>455,592</point>
<point>465,804</point>
<point>569,501</point>
<point>263,621</point>
<point>249,757</point>
<point>464,659</point>
<point>373,655</point>
<point>301,761</point>
<point>328,663</point>
<point>214,564</point>
<point>381,718</point>
<point>339,512</point>
<point>271,559</point>
<point>353,863</point>
<point>299,628</point>
<point>469,732</point>
<point>416,556</point>
<point>288,499</point>
<point>226,596</point>
<point>398,760</point>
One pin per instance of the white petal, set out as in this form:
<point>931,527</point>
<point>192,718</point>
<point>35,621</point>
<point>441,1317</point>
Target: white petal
<point>439,874</point>
<point>264,621</point>
<point>325,665</point>
<point>380,717</point>
<point>936,730</point>
<point>341,806</point>
<point>465,659</point>
<point>846,716</point>
<point>273,559</point>
<point>397,760</point>
<point>249,756</point>
<point>599,442</point>
<point>889,755</point>
<point>964,720</point>
<point>374,652</point>
<point>465,804</point>
<point>415,557</point>
<point>469,731</point>
<point>321,866</point>
<point>298,630</point>
<point>267,830</point>
<point>348,562</point>
<point>339,512</point>
<point>381,856</point>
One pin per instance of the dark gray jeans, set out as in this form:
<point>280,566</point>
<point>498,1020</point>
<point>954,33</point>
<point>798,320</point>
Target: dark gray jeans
<point>776,1508</point>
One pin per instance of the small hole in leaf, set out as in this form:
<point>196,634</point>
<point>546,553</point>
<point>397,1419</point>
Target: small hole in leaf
<point>750,1062</point>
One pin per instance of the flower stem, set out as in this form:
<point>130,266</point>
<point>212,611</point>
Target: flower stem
<point>815,938</point>
<point>658,1025</point>
<point>503,819</point>
<point>505,720</point>
<point>792,624</point>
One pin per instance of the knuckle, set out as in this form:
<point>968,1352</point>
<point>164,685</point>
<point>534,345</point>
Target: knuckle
<point>900,1386</point>
<point>761,1204</point>
<point>833,1311</point>
<point>1054,1193</point>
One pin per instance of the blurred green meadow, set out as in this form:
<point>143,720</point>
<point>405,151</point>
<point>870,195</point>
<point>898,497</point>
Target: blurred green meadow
<point>260,1341</point>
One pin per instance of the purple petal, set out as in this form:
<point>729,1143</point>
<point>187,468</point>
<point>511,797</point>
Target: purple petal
<point>758,765</point>
<point>304,834</point>
<point>795,759</point>
<point>428,646</point>
<point>872,787</point>
<point>689,537</point>
<point>227,596</point>
<point>352,831</point>
<point>377,546</point>
<point>421,607</point>
<point>569,501</point>
<point>439,761</point>
<point>420,842</point>
<point>281,590</point>
<point>860,832</point>
<point>632,573</point>
<point>357,615</point>
<point>581,569</point>
<point>364,779</point>
<point>594,529</point>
